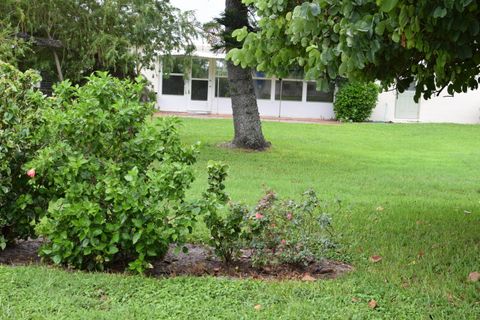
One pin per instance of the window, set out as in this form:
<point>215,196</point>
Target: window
<point>200,69</point>
<point>173,84</point>
<point>262,88</point>
<point>221,88</point>
<point>319,96</point>
<point>221,81</point>
<point>288,90</point>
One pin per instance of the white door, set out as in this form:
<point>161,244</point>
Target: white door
<point>199,89</point>
<point>406,108</point>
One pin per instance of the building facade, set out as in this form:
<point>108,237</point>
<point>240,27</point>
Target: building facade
<point>203,89</point>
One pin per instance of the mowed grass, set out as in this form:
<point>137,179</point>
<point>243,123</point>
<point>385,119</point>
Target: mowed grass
<point>411,195</point>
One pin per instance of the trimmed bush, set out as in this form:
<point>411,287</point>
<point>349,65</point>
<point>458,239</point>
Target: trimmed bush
<point>115,177</point>
<point>20,104</point>
<point>354,102</point>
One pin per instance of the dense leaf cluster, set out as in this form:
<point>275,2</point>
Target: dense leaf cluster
<point>20,105</point>
<point>354,102</point>
<point>435,43</point>
<point>115,178</point>
<point>119,36</point>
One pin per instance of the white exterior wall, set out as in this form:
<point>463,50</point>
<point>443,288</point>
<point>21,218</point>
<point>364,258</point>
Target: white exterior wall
<point>217,105</point>
<point>460,108</point>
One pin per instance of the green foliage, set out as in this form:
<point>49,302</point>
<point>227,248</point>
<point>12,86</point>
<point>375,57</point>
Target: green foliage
<point>116,180</point>
<point>120,36</point>
<point>225,230</point>
<point>354,102</point>
<point>12,48</point>
<point>20,104</point>
<point>287,232</point>
<point>435,43</point>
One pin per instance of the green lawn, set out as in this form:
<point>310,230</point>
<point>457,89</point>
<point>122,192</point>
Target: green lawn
<point>411,193</point>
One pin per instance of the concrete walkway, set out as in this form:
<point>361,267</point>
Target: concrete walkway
<point>227,116</point>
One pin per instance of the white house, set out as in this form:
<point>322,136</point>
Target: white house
<point>205,90</point>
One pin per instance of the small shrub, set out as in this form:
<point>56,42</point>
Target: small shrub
<point>354,102</point>
<point>20,104</point>
<point>116,179</point>
<point>225,230</point>
<point>287,232</point>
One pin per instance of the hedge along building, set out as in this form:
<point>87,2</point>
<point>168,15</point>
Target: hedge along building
<point>202,88</point>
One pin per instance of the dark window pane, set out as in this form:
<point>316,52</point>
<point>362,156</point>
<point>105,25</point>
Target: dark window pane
<point>200,90</point>
<point>262,88</point>
<point>288,90</point>
<point>221,88</point>
<point>200,68</point>
<point>318,96</point>
<point>173,85</point>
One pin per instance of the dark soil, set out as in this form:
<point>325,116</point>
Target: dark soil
<point>199,261</point>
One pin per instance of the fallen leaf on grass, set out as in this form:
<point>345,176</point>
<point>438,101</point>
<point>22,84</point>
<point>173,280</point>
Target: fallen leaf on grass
<point>474,276</point>
<point>380,208</point>
<point>355,299</point>
<point>372,304</point>
<point>375,259</point>
<point>308,277</point>
<point>258,307</point>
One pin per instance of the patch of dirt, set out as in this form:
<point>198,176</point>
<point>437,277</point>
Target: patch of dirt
<point>21,253</point>
<point>200,261</point>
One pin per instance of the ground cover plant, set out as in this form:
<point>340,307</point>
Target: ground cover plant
<point>412,196</point>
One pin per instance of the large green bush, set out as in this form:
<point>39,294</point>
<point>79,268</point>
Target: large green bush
<point>20,104</point>
<point>116,178</point>
<point>354,102</point>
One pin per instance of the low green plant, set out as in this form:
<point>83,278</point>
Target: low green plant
<point>289,232</point>
<point>116,179</point>
<point>20,104</point>
<point>225,227</point>
<point>354,102</point>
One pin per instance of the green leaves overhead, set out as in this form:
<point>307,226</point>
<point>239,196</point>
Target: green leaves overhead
<point>387,5</point>
<point>394,41</point>
<point>115,35</point>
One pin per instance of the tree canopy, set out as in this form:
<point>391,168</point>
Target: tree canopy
<point>435,43</point>
<point>122,36</point>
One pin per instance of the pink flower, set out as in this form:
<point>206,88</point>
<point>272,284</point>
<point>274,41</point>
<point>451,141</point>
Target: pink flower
<point>284,242</point>
<point>258,215</point>
<point>289,216</point>
<point>31,173</point>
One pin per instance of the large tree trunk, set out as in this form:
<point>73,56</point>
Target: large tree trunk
<point>246,119</point>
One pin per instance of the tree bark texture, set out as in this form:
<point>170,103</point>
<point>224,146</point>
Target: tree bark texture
<point>246,118</point>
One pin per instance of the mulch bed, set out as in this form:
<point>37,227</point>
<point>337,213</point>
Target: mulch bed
<point>199,261</point>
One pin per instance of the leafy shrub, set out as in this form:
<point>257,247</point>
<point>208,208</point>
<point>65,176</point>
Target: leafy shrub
<point>225,230</point>
<point>287,232</point>
<point>19,120</point>
<point>278,232</point>
<point>117,180</point>
<point>354,102</point>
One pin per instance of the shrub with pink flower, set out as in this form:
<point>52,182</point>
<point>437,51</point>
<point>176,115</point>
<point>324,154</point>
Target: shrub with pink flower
<point>31,173</point>
<point>288,232</point>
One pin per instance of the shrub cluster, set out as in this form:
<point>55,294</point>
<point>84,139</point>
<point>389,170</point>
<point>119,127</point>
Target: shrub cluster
<point>354,102</point>
<point>276,231</point>
<point>103,184</point>
<point>116,180</point>
<point>20,105</point>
